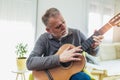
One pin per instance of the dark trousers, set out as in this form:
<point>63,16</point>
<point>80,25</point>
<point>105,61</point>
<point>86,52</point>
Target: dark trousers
<point>80,76</point>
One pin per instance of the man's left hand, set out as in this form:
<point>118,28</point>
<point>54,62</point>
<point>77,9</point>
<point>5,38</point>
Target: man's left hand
<point>98,40</point>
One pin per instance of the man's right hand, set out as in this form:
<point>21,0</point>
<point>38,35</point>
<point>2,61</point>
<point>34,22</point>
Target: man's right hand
<point>71,54</point>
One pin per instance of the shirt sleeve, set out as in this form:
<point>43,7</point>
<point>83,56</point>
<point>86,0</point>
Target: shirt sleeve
<point>91,51</point>
<point>36,60</point>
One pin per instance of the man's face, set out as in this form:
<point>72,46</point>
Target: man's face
<point>56,26</point>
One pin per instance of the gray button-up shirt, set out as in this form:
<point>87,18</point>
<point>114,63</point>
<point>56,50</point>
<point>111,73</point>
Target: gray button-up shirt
<point>42,56</point>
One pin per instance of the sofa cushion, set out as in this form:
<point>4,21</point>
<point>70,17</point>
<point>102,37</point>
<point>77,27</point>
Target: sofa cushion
<point>117,48</point>
<point>111,66</point>
<point>107,52</point>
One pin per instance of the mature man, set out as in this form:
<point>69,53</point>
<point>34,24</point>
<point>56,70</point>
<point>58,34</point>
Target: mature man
<point>42,57</point>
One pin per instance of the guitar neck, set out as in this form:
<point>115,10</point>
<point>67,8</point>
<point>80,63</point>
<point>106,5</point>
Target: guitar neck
<point>104,29</point>
<point>87,44</point>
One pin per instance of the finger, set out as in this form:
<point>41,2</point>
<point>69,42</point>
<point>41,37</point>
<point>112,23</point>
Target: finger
<point>100,37</point>
<point>76,59</point>
<point>97,41</point>
<point>97,38</point>
<point>76,55</point>
<point>79,47</point>
<point>96,44</point>
<point>76,49</point>
<point>68,48</point>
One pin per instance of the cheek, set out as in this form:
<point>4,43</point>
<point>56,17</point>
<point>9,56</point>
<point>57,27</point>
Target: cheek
<point>57,31</point>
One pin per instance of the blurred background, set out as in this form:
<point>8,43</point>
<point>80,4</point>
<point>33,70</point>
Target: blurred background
<point>20,21</point>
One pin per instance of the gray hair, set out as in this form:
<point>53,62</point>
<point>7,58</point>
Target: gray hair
<point>52,12</point>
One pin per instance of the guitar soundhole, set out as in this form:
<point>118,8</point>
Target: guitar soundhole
<point>65,65</point>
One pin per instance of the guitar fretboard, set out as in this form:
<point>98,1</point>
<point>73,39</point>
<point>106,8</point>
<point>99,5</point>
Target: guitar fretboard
<point>87,44</point>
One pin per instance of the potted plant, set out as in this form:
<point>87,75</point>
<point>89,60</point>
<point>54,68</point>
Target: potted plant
<point>21,50</point>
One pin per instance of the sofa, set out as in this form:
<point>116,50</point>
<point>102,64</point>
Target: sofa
<point>107,65</point>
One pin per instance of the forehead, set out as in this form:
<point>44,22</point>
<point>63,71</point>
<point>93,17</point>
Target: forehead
<point>55,20</point>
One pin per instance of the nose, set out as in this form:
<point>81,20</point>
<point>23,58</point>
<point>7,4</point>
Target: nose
<point>62,27</point>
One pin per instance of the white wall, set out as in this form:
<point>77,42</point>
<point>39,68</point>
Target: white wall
<point>74,12</point>
<point>17,24</point>
<point>116,37</point>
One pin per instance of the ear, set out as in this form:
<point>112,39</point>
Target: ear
<point>48,30</point>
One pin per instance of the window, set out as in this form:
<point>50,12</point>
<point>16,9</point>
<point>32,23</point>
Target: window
<point>98,17</point>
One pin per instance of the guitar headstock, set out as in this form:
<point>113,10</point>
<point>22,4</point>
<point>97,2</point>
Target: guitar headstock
<point>115,21</point>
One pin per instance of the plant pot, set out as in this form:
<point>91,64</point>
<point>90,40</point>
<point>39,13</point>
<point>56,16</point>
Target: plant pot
<point>21,64</point>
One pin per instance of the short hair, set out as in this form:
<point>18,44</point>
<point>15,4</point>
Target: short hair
<point>52,12</point>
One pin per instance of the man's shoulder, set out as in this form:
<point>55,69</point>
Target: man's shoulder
<point>44,36</point>
<point>74,30</point>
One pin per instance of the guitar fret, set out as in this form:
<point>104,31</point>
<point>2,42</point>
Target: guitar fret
<point>105,28</point>
<point>110,24</point>
<point>83,47</point>
<point>117,22</point>
<point>90,41</point>
<point>87,43</point>
<point>101,31</point>
<point>86,47</point>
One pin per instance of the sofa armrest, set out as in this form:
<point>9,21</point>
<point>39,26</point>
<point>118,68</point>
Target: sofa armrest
<point>97,71</point>
<point>94,66</point>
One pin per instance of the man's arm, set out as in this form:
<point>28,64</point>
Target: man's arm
<point>93,50</point>
<point>37,60</point>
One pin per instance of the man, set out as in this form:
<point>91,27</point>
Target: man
<point>42,57</point>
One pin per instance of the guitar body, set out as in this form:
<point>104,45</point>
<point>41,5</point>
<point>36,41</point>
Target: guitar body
<point>62,72</point>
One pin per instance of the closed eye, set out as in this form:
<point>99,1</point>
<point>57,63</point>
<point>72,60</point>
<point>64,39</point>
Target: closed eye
<point>59,26</point>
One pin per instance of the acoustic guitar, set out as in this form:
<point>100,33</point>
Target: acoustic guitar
<point>66,70</point>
